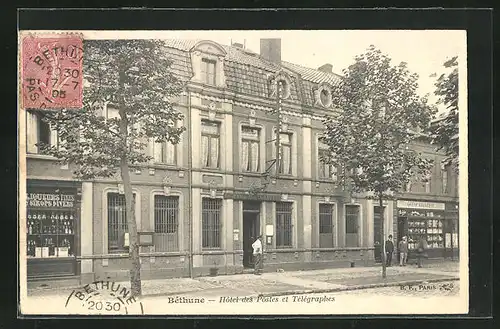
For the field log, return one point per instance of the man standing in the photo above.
(389, 249)
(422, 245)
(257, 255)
(403, 251)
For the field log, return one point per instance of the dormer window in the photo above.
(207, 59)
(323, 95)
(208, 71)
(279, 82)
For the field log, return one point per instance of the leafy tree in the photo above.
(444, 131)
(379, 115)
(134, 77)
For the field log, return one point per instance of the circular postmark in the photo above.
(52, 74)
(104, 298)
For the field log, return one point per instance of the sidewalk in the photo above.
(296, 282)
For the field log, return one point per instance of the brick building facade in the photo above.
(196, 199)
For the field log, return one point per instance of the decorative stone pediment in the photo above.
(209, 47)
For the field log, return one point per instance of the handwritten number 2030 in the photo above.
(109, 306)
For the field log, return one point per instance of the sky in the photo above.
(425, 51)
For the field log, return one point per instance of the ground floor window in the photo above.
(428, 225)
(284, 226)
(326, 230)
(50, 232)
(117, 222)
(211, 223)
(352, 225)
(166, 218)
(452, 239)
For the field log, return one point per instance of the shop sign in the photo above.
(50, 200)
(412, 204)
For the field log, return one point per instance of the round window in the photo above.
(325, 97)
(283, 88)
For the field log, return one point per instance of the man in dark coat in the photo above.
(389, 249)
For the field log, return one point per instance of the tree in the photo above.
(379, 115)
(444, 131)
(134, 77)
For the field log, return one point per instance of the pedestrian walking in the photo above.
(257, 255)
(403, 251)
(389, 249)
(421, 247)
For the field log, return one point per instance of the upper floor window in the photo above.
(165, 152)
(38, 131)
(250, 149)
(428, 178)
(208, 71)
(326, 170)
(210, 142)
(285, 162)
(444, 178)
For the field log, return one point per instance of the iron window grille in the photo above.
(166, 218)
(211, 223)
(325, 218)
(250, 152)
(351, 218)
(210, 141)
(284, 225)
(117, 221)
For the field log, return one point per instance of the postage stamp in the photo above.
(52, 71)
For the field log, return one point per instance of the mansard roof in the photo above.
(248, 73)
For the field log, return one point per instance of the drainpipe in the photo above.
(190, 186)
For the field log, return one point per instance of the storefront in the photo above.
(52, 223)
(423, 220)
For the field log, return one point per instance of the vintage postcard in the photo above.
(243, 172)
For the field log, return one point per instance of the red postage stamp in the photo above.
(52, 74)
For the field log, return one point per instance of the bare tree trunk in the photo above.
(135, 270)
(382, 230)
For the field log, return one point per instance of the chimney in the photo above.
(327, 68)
(237, 45)
(270, 49)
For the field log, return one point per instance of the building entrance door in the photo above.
(251, 230)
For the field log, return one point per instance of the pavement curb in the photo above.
(359, 287)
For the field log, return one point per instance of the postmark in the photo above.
(104, 298)
(52, 74)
